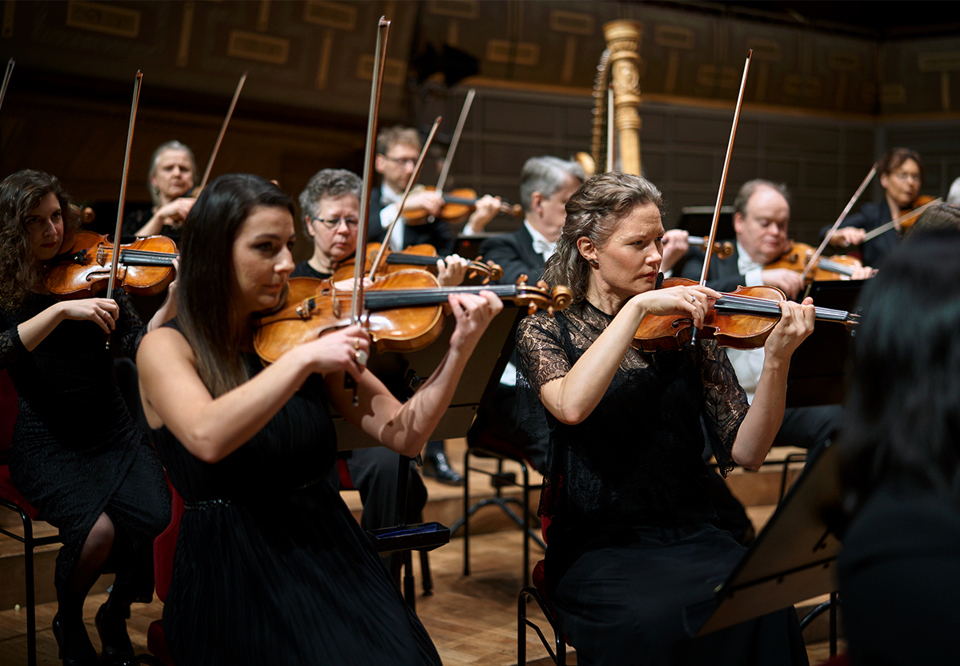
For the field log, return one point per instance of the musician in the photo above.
(935, 218)
(901, 177)
(332, 197)
(631, 544)
(270, 567)
(899, 566)
(77, 454)
(546, 184)
(397, 151)
(170, 181)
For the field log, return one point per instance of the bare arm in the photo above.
(405, 427)
(763, 420)
(211, 429)
(101, 311)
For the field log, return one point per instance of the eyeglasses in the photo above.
(333, 224)
(401, 161)
(904, 176)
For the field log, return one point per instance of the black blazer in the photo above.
(515, 254)
(724, 273)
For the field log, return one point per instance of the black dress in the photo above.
(270, 566)
(632, 540)
(76, 450)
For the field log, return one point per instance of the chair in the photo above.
(538, 593)
(485, 444)
(11, 499)
(403, 559)
(164, 546)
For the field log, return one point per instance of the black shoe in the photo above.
(74, 644)
(437, 467)
(114, 640)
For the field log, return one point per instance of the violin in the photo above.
(403, 311)
(922, 200)
(145, 266)
(741, 320)
(457, 205)
(799, 256)
(417, 256)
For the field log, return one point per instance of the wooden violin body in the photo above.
(415, 256)
(740, 320)
(922, 200)
(146, 266)
(403, 311)
(457, 205)
(837, 267)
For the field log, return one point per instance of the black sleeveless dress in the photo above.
(270, 566)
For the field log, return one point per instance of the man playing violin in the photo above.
(546, 184)
(901, 176)
(397, 151)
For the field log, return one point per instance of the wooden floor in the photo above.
(472, 620)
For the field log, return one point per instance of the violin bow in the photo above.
(6, 80)
(378, 260)
(461, 121)
(356, 302)
(723, 177)
(836, 225)
(223, 130)
(115, 262)
(892, 223)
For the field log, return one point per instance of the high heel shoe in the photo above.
(114, 640)
(75, 648)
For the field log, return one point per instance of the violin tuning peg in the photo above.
(542, 285)
(550, 310)
(522, 279)
(531, 308)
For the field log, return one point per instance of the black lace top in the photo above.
(637, 459)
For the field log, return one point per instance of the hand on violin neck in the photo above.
(427, 200)
(784, 279)
(675, 246)
(487, 208)
(451, 270)
(472, 313)
(168, 310)
(795, 325)
(862, 272)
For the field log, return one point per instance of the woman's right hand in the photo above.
(687, 300)
(343, 350)
(847, 236)
(101, 311)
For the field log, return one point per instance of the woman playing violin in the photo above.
(77, 454)
(631, 541)
(901, 176)
(170, 180)
(249, 448)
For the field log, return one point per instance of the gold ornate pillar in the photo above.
(623, 43)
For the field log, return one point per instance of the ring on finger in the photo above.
(360, 357)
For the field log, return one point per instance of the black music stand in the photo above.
(405, 373)
(818, 365)
(792, 559)
(698, 219)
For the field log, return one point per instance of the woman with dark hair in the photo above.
(270, 566)
(901, 177)
(77, 454)
(631, 543)
(900, 461)
(170, 180)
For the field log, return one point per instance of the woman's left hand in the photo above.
(168, 310)
(796, 323)
(473, 313)
(451, 270)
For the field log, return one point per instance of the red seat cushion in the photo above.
(157, 644)
(164, 546)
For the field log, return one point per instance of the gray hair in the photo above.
(953, 198)
(328, 183)
(595, 211)
(167, 145)
(546, 175)
(750, 187)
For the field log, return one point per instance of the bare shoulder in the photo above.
(161, 345)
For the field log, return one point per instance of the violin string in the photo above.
(751, 305)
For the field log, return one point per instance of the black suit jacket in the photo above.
(515, 254)
(438, 233)
(724, 273)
